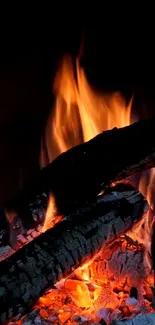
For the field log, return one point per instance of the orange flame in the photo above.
(143, 231)
(146, 186)
(51, 217)
(80, 111)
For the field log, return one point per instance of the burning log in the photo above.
(122, 263)
(37, 266)
(78, 175)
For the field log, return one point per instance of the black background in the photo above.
(113, 60)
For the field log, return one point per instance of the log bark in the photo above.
(79, 174)
(37, 266)
(146, 319)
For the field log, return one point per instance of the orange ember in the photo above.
(101, 289)
(80, 113)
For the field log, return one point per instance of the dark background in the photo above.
(115, 60)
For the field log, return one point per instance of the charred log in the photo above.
(37, 266)
(13, 235)
(122, 263)
(79, 174)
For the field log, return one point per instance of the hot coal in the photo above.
(28, 273)
(77, 301)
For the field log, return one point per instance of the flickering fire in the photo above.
(51, 218)
(80, 113)
(102, 287)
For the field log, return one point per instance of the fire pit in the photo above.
(76, 244)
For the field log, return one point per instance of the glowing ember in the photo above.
(116, 284)
(112, 288)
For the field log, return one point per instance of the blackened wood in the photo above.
(79, 174)
(37, 266)
(13, 235)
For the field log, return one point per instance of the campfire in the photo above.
(76, 245)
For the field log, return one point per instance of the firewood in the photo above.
(78, 175)
(37, 266)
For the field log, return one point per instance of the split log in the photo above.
(79, 174)
(37, 266)
(146, 319)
